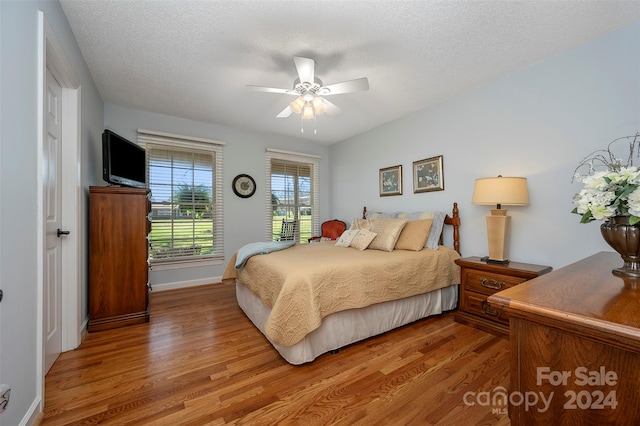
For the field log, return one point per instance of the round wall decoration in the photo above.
(244, 186)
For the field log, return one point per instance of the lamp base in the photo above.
(497, 236)
(497, 262)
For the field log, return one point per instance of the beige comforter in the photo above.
(307, 282)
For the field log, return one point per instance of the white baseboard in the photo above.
(184, 284)
(31, 416)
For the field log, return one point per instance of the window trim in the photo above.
(314, 161)
(174, 141)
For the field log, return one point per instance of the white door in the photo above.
(52, 159)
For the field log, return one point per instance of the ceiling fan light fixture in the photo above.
(307, 112)
(318, 105)
(309, 92)
(297, 105)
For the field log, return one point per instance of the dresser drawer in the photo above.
(488, 283)
(477, 304)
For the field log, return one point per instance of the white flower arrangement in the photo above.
(614, 191)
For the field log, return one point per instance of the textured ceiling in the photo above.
(193, 59)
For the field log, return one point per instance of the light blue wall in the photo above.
(18, 187)
(17, 164)
(244, 152)
(537, 123)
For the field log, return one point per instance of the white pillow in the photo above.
(380, 215)
(358, 223)
(346, 238)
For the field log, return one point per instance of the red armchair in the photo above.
(330, 229)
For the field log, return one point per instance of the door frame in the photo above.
(51, 56)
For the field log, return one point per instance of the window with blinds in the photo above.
(292, 188)
(184, 177)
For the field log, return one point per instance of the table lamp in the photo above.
(499, 191)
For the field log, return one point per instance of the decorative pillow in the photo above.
(436, 225)
(414, 235)
(361, 224)
(346, 238)
(362, 239)
(388, 231)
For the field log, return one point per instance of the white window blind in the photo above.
(185, 178)
(292, 188)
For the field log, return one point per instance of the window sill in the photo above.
(184, 263)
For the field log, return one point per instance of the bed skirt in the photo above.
(346, 327)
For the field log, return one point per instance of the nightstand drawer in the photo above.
(477, 304)
(489, 283)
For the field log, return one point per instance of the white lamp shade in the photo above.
(508, 191)
(307, 111)
(296, 106)
(318, 105)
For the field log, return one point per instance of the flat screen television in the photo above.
(123, 162)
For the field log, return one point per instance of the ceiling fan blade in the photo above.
(330, 108)
(306, 69)
(346, 87)
(285, 113)
(269, 89)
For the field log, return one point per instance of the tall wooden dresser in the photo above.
(575, 343)
(118, 251)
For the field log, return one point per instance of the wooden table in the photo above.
(575, 341)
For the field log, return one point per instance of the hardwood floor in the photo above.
(200, 361)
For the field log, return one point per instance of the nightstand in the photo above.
(479, 280)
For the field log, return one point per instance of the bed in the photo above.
(314, 298)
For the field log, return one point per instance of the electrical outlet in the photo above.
(5, 392)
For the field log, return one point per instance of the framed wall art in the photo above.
(428, 175)
(391, 181)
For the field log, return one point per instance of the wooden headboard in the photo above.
(453, 220)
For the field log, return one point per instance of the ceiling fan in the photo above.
(310, 92)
